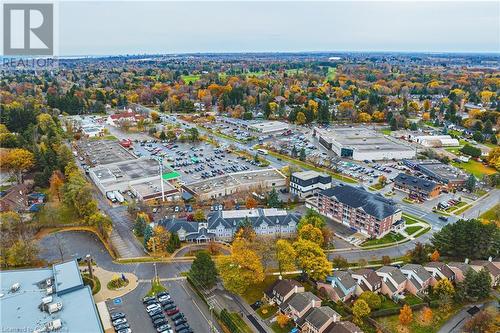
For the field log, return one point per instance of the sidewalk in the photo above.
(104, 277)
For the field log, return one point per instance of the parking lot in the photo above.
(180, 294)
(195, 161)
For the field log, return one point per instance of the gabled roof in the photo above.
(343, 327)
(393, 272)
(300, 301)
(492, 267)
(283, 287)
(463, 267)
(442, 267)
(369, 275)
(356, 197)
(419, 270)
(320, 316)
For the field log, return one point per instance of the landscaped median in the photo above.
(308, 165)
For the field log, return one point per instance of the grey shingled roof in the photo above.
(419, 270)
(442, 267)
(356, 197)
(415, 182)
(393, 272)
(300, 301)
(320, 316)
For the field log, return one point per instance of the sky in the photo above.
(137, 27)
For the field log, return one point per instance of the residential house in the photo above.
(367, 280)
(393, 281)
(282, 290)
(418, 278)
(319, 319)
(459, 269)
(368, 213)
(492, 267)
(439, 271)
(15, 199)
(298, 305)
(343, 327)
(339, 286)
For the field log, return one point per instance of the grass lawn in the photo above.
(476, 168)
(94, 284)
(440, 316)
(332, 72)
(408, 201)
(276, 328)
(421, 232)
(255, 292)
(493, 214)
(413, 300)
(377, 186)
(412, 230)
(386, 131)
(387, 303)
(156, 287)
(461, 210)
(56, 213)
(267, 311)
(387, 239)
(117, 284)
(190, 78)
(240, 323)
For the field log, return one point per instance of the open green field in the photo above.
(386, 131)
(492, 214)
(411, 230)
(256, 292)
(190, 78)
(476, 168)
(332, 72)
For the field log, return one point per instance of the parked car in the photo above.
(119, 321)
(162, 293)
(159, 322)
(163, 328)
(180, 321)
(147, 299)
(122, 326)
(117, 315)
(443, 218)
(125, 330)
(155, 312)
(152, 307)
(178, 316)
(181, 327)
(172, 311)
(185, 330)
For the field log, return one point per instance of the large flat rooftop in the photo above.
(127, 171)
(20, 310)
(361, 139)
(101, 152)
(442, 170)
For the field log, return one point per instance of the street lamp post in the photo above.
(160, 161)
(89, 265)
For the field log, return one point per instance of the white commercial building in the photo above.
(361, 143)
(435, 140)
(306, 183)
(270, 126)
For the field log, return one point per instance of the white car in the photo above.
(164, 298)
(152, 307)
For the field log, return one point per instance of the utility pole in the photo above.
(160, 161)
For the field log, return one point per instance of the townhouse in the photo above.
(417, 188)
(339, 287)
(393, 281)
(319, 319)
(459, 269)
(368, 213)
(439, 271)
(281, 290)
(367, 280)
(492, 267)
(418, 278)
(298, 305)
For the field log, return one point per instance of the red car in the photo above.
(173, 311)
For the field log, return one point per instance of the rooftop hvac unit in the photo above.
(15, 287)
(48, 282)
(54, 307)
(49, 290)
(47, 300)
(54, 325)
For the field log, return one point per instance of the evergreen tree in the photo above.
(173, 243)
(148, 233)
(302, 156)
(471, 183)
(273, 199)
(477, 285)
(203, 271)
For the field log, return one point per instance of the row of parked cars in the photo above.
(161, 306)
(119, 321)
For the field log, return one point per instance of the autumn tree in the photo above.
(339, 262)
(282, 320)
(373, 300)
(435, 255)
(241, 269)
(18, 161)
(405, 315)
(360, 310)
(311, 233)
(481, 322)
(251, 203)
(426, 316)
(285, 256)
(56, 183)
(311, 259)
(199, 215)
(313, 218)
(22, 253)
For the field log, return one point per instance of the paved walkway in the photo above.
(105, 276)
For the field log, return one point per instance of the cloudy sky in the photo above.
(132, 27)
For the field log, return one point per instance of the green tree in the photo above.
(302, 156)
(141, 221)
(419, 254)
(273, 199)
(312, 217)
(471, 183)
(22, 253)
(203, 271)
(148, 233)
(199, 215)
(467, 239)
(339, 262)
(174, 243)
(311, 233)
(477, 285)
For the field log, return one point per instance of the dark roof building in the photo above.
(368, 213)
(417, 188)
(222, 225)
(343, 327)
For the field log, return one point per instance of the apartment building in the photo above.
(417, 188)
(306, 183)
(368, 213)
